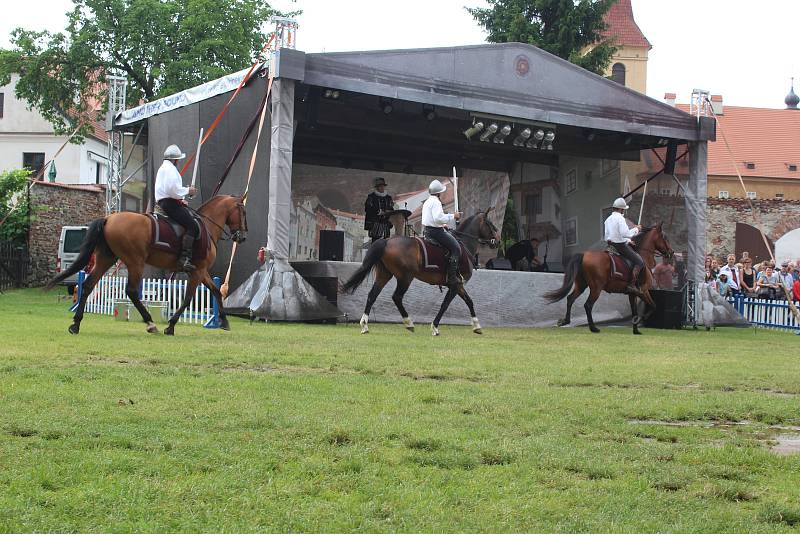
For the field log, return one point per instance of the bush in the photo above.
(14, 206)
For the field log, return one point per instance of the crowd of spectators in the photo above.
(762, 280)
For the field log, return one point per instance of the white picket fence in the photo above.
(766, 313)
(202, 309)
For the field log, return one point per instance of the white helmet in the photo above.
(436, 187)
(173, 152)
(620, 204)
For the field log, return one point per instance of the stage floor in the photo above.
(502, 298)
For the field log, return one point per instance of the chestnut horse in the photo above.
(402, 258)
(127, 236)
(593, 269)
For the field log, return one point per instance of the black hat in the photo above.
(379, 181)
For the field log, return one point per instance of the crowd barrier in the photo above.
(765, 313)
(202, 310)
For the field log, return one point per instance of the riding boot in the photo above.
(185, 258)
(634, 286)
(453, 277)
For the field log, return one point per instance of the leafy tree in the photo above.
(510, 232)
(162, 46)
(14, 206)
(569, 29)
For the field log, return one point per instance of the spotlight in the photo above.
(502, 134)
(628, 140)
(663, 142)
(332, 94)
(386, 105)
(589, 135)
(522, 137)
(534, 141)
(474, 130)
(428, 112)
(490, 130)
(549, 137)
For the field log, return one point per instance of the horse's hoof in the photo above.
(636, 332)
(562, 322)
(169, 331)
(594, 330)
(365, 329)
(74, 329)
(434, 330)
(408, 323)
(476, 326)
(152, 329)
(364, 322)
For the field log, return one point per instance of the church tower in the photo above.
(629, 64)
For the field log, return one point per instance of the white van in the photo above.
(69, 246)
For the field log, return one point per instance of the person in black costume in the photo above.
(377, 204)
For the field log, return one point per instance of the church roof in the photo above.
(622, 28)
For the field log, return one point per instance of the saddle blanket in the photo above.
(620, 268)
(166, 236)
(433, 257)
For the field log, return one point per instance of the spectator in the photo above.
(713, 271)
(795, 270)
(723, 285)
(768, 284)
(662, 273)
(786, 279)
(796, 290)
(745, 256)
(732, 273)
(748, 284)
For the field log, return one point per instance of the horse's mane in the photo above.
(638, 238)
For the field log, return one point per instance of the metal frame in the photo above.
(117, 93)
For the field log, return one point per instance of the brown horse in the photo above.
(127, 236)
(402, 258)
(593, 269)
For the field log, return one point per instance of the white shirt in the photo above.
(734, 283)
(169, 183)
(434, 215)
(617, 230)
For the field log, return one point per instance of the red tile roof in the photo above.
(767, 138)
(621, 28)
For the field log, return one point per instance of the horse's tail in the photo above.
(374, 255)
(94, 239)
(570, 273)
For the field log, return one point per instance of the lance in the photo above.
(455, 190)
(197, 157)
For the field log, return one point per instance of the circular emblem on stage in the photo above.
(522, 66)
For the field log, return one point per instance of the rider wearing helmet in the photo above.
(170, 193)
(378, 203)
(618, 236)
(434, 221)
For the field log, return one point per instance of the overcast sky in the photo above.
(747, 51)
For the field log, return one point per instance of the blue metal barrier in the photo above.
(765, 313)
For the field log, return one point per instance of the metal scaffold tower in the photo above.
(285, 33)
(117, 91)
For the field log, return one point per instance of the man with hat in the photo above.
(618, 235)
(378, 203)
(170, 193)
(434, 224)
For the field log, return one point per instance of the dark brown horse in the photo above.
(592, 269)
(402, 258)
(127, 236)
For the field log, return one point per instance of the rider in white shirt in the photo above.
(434, 223)
(170, 193)
(618, 235)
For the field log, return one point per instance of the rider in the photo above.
(434, 221)
(378, 202)
(618, 236)
(170, 195)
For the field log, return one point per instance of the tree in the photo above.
(510, 232)
(14, 206)
(569, 29)
(162, 46)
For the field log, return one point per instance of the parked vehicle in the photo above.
(69, 245)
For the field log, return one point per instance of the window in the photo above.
(572, 181)
(792, 166)
(779, 196)
(752, 195)
(750, 165)
(533, 204)
(665, 191)
(571, 231)
(2, 103)
(618, 73)
(723, 194)
(34, 161)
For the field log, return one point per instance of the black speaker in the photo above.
(669, 309)
(499, 264)
(331, 245)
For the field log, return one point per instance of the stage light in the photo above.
(628, 140)
(490, 130)
(549, 137)
(474, 130)
(589, 135)
(332, 94)
(523, 136)
(428, 112)
(537, 138)
(386, 105)
(502, 134)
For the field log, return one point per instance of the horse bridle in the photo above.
(236, 235)
(481, 241)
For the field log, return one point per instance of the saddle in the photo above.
(166, 235)
(621, 267)
(435, 256)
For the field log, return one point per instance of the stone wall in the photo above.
(58, 205)
(776, 218)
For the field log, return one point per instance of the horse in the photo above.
(593, 269)
(404, 259)
(127, 236)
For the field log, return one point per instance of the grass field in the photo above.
(317, 428)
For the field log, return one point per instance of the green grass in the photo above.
(317, 428)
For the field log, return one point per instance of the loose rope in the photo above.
(753, 211)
